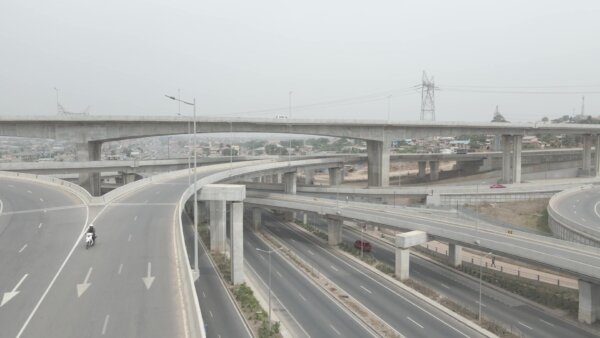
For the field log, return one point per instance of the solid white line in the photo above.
(419, 325)
(120, 268)
(446, 286)
(310, 252)
(333, 268)
(23, 248)
(334, 329)
(1, 206)
(59, 269)
(40, 226)
(547, 323)
(129, 238)
(105, 324)
(529, 327)
(364, 288)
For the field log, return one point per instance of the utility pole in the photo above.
(582, 105)
(427, 98)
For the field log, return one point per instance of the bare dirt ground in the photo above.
(531, 214)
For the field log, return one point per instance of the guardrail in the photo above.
(569, 229)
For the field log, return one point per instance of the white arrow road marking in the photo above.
(83, 286)
(9, 295)
(148, 280)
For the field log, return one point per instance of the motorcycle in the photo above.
(89, 240)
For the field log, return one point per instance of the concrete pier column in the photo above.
(203, 211)
(378, 169)
(256, 218)
(516, 158)
(422, 169)
(309, 176)
(127, 178)
(434, 170)
(335, 176)
(334, 231)
(497, 143)
(455, 254)
(237, 243)
(403, 242)
(402, 264)
(506, 171)
(217, 225)
(597, 162)
(586, 164)
(589, 302)
(289, 183)
(89, 151)
(276, 178)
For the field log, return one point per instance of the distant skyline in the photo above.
(340, 59)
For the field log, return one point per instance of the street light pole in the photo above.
(193, 104)
(480, 273)
(268, 252)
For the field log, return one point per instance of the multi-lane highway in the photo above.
(582, 208)
(501, 307)
(39, 226)
(404, 312)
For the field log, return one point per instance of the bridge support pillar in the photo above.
(589, 302)
(422, 168)
(516, 158)
(455, 254)
(309, 176)
(378, 169)
(334, 231)
(597, 158)
(256, 218)
(276, 178)
(335, 176)
(403, 243)
(434, 170)
(237, 242)
(586, 160)
(127, 178)
(506, 172)
(289, 183)
(90, 151)
(218, 218)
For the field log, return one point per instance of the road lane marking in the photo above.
(480, 303)
(334, 329)
(105, 324)
(41, 200)
(310, 252)
(203, 294)
(547, 323)
(11, 186)
(301, 296)
(85, 285)
(446, 286)
(261, 256)
(29, 192)
(333, 268)
(211, 315)
(1, 206)
(40, 226)
(9, 295)
(135, 218)
(120, 268)
(278, 274)
(129, 238)
(23, 248)
(529, 327)
(364, 288)
(412, 320)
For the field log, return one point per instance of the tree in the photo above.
(275, 149)
(227, 152)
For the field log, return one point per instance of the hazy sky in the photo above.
(242, 58)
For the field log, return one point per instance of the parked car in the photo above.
(497, 185)
(364, 245)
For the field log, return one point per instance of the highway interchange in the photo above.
(129, 284)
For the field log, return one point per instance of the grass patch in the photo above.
(314, 230)
(254, 312)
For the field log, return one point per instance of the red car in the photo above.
(364, 245)
(497, 185)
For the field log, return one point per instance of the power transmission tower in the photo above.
(427, 98)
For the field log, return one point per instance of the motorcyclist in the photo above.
(92, 230)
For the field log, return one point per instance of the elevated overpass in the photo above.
(89, 132)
